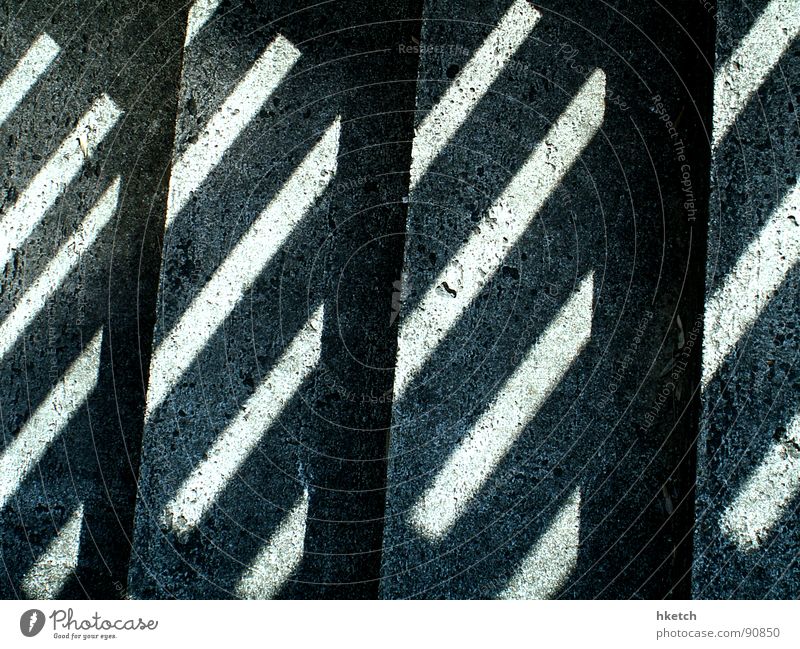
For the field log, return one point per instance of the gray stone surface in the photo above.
(434, 302)
(747, 541)
(537, 418)
(81, 199)
(265, 439)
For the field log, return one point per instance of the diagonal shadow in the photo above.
(318, 263)
(740, 435)
(755, 142)
(239, 355)
(90, 467)
(751, 357)
(619, 193)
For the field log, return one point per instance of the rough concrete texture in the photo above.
(423, 286)
(265, 436)
(747, 540)
(87, 103)
(539, 396)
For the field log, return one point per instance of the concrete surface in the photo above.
(273, 343)
(426, 299)
(536, 429)
(747, 540)
(83, 190)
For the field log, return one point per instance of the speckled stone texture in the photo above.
(310, 478)
(66, 529)
(415, 299)
(537, 425)
(747, 540)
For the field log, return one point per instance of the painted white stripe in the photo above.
(48, 576)
(47, 283)
(49, 420)
(278, 559)
(752, 61)
(546, 568)
(516, 404)
(22, 78)
(199, 14)
(176, 353)
(242, 105)
(471, 84)
(208, 479)
(62, 167)
(473, 266)
(747, 289)
(765, 495)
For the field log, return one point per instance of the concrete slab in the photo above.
(264, 453)
(534, 450)
(429, 300)
(88, 103)
(747, 540)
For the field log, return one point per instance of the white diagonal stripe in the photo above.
(241, 106)
(474, 264)
(516, 404)
(22, 78)
(199, 14)
(471, 84)
(175, 354)
(49, 420)
(763, 498)
(49, 574)
(747, 289)
(204, 485)
(47, 283)
(548, 565)
(62, 167)
(278, 558)
(752, 61)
